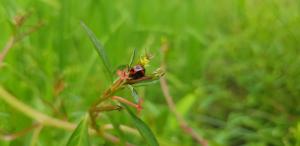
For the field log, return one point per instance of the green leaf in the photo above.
(134, 93)
(80, 135)
(144, 130)
(115, 120)
(146, 83)
(132, 57)
(100, 49)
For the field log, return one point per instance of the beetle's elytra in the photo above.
(137, 72)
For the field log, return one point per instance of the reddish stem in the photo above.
(123, 100)
(165, 88)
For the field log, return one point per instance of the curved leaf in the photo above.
(134, 93)
(144, 130)
(100, 49)
(146, 83)
(80, 135)
(132, 57)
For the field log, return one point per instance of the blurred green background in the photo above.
(232, 67)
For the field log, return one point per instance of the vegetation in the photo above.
(231, 72)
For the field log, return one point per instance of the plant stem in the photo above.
(15, 38)
(35, 135)
(50, 121)
(109, 92)
(7, 47)
(38, 116)
(169, 99)
(122, 100)
(13, 136)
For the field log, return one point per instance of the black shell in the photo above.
(137, 72)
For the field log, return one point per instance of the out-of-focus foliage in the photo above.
(233, 66)
(80, 135)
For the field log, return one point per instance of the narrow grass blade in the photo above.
(134, 93)
(132, 57)
(99, 48)
(144, 130)
(80, 135)
(115, 122)
(146, 83)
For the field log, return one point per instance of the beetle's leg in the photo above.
(94, 111)
(125, 101)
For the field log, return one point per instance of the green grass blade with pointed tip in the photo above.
(80, 135)
(142, 127)
(132, 57)
(146, 83)
(134, 93)
(100, 49)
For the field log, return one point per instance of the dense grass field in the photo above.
(232, 67)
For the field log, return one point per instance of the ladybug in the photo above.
(137, 72)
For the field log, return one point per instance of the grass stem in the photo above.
(46, 120)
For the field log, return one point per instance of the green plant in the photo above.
(232, 71)
(123, 80)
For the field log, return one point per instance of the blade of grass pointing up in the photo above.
(100, 49)
(142, 127)
(80, 135)
(132, 57)
(146, 83)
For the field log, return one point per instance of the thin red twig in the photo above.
(13, 136)
(169, 99)
(7, 47)
(18, 37)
